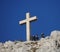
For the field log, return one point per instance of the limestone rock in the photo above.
(48, 44)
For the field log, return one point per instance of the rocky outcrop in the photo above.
(48, 44)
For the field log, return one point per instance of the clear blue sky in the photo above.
(12, 11)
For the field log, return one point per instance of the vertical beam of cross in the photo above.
(27, 21)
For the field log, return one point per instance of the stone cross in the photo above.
(27, 21)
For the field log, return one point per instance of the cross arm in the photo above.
(22, 22)
(33, 18)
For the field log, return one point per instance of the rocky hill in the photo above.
(48, 44)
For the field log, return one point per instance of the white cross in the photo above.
(27, 21)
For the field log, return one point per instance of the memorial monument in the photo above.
(27, 21)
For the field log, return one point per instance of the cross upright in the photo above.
(27, 21)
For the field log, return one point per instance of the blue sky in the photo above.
(12, 11)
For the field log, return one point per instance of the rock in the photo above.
(48, 44)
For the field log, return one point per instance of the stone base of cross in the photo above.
(27, 21)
